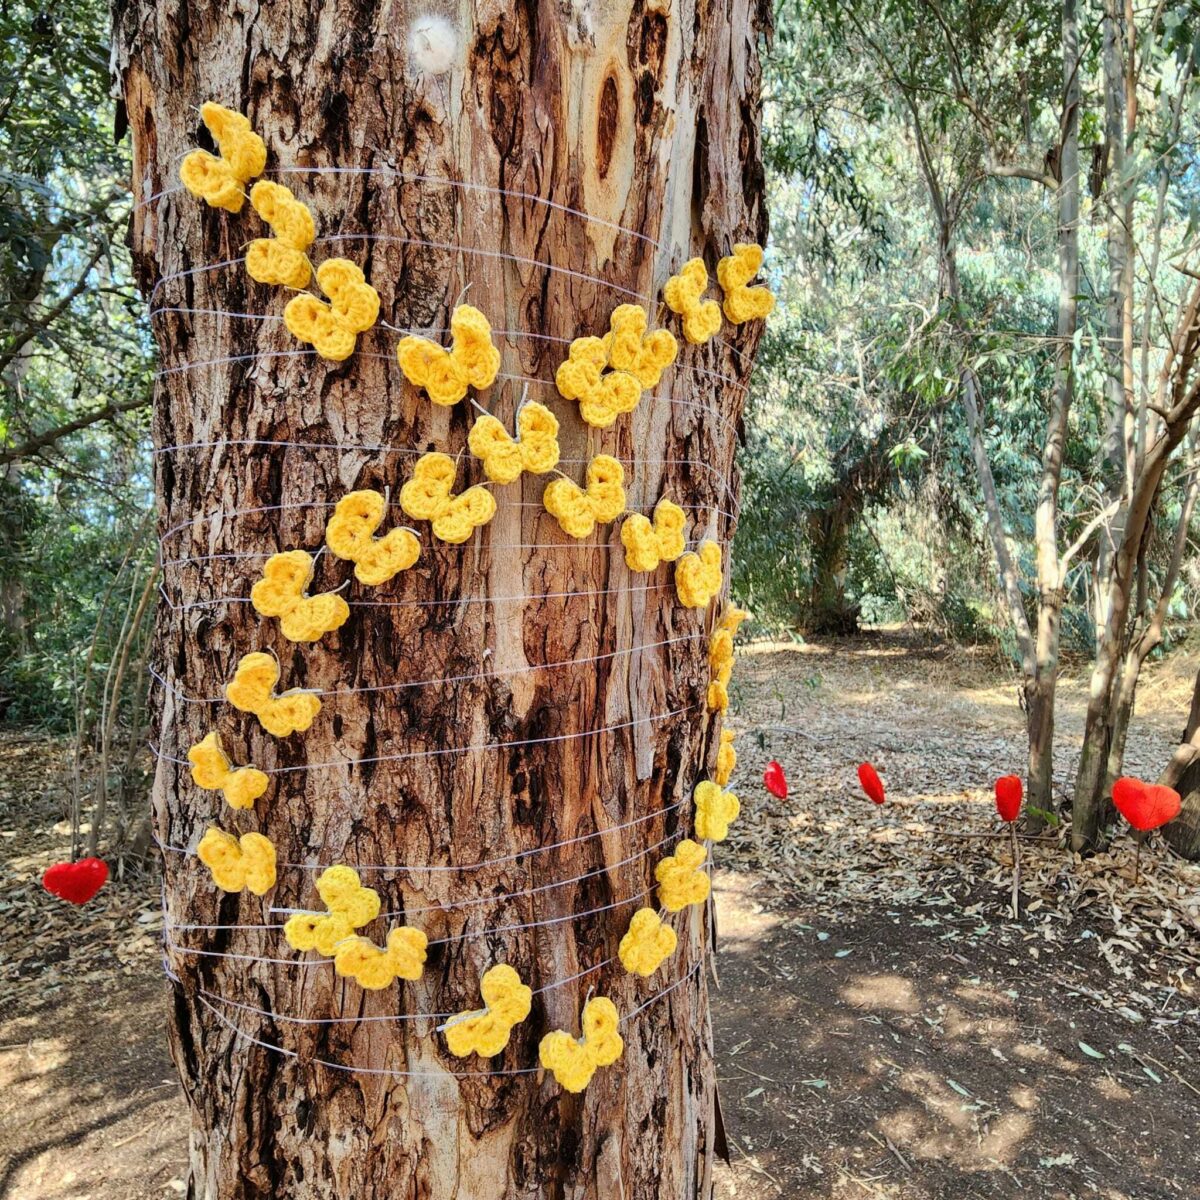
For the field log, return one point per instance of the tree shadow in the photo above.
(890, 1055)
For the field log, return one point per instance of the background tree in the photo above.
(74, 370)
(649, 122)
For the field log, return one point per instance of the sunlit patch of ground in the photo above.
(884, 1028)
(937, 1049)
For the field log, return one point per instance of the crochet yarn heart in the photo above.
(1145, 806)
(872, 785)
(775, 780)
(78, 881)
(1008, 797)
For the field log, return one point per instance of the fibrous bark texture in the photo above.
(461, 701)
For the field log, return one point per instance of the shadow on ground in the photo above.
(882, 1057)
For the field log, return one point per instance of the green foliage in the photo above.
(75, 357)
(861, 492)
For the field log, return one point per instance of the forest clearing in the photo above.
(883, 1029)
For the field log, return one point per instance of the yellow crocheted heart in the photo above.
(715, 809)
(427, 497)
(280, 593)
(647, 944)
(720, 666)
(471, 361)
(680, 880)
(630, 348)
(573, 1063)
(732, 618)
(220, 182)
(602, 395)
(350, 905)
(211, 770)
(486, 1031)
(726, 758)
(577, 511)
(332, 329)
(358, 958)
(683, 292)
(698, 575)
(281, 259)
(648, 544)
(350, 535)
(252, 690)
(743, 303)
(534, 450)
(237, 863)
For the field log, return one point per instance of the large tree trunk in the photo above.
(645, 116)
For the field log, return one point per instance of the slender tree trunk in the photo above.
(1117, 249)
(1040, 690)
(644, 116)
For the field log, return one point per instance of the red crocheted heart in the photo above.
(77, 882)
(871, 783)
(1145, 805)
(775, 780)
(1008, 797)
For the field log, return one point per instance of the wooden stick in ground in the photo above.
(1137, 860)
(1016, 849)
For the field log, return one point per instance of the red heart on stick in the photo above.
(1008, 797)
(872, 785)
(1145, 805)
(775, 780)
(77, 882)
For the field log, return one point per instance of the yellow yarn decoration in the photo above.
(486, 1031)
(698, 575)
(472, 360)
(732, 618)
(647, 944)
(720, 666)
(683, 292)
(535, 449)
(646, 544)
(726, 758)
(350, 535)
(426, 497)
(743, 303)
(237, 863)
(333, 328)
(280, 593)
(715, 810)
(220, 182)
(573, 1063)
(602, 396)
(360, 959)
(577, 511)
(629, 348)
(252, 690)
(211, 770)
(281, 259)
(680, 880)
(350, 905)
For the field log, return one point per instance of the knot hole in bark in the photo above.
(606, 124)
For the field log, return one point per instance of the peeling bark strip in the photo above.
(644, 116)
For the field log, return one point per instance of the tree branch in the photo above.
(36, 444)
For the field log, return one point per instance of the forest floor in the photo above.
(884, 1027)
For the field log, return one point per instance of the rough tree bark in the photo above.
(1183, 774)
(644, 115)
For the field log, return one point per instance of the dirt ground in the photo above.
(884, 1027)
